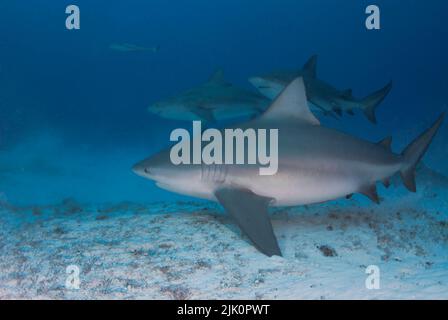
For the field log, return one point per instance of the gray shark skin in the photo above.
(211, 101)
(315, 164)
(322, 96)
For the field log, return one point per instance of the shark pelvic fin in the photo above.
(309, 68)
(386, 182)
(251, 214)
(386, 143)
(370, 192)
(291, 104)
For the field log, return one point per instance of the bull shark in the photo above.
(315, 164)
(322, 96)
(213, 100)
(128, 47)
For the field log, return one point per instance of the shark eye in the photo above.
(147, 170)
(264, 87)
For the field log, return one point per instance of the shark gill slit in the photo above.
(214, 172)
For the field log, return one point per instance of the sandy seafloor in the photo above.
(192, 250)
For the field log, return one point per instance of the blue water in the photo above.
(73, 114)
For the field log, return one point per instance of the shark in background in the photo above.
(211, 101)
(322, 96)
(315, 164)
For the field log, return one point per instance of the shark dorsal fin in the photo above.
(309, 68)
(291, 104)
(217, 77)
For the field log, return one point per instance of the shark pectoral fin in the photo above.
(251, 214)
(204, 114)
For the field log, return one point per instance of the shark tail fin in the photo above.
(415, 151)
(370, 102)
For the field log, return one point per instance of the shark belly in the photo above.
(313, 184)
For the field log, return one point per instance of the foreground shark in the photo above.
(128, 47)
(321, 95)
(315, 164)
(213, 100)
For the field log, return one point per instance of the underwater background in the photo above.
(74, 119)
(73, 113)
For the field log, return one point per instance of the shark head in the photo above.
(270, 85)
(267, 86)
(177, 178)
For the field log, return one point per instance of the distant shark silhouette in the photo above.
(128, 47)
(211, 101)
(321, 95)
(315, 164)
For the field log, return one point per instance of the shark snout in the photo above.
(141, 169)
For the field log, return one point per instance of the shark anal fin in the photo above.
(386, 143)
(370, 192)
(251, 214)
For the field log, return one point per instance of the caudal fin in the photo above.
(414, 153)
(370, 102)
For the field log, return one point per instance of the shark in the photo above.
(214, 100)
(322, 96)
(315, 164)
(128, 47)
